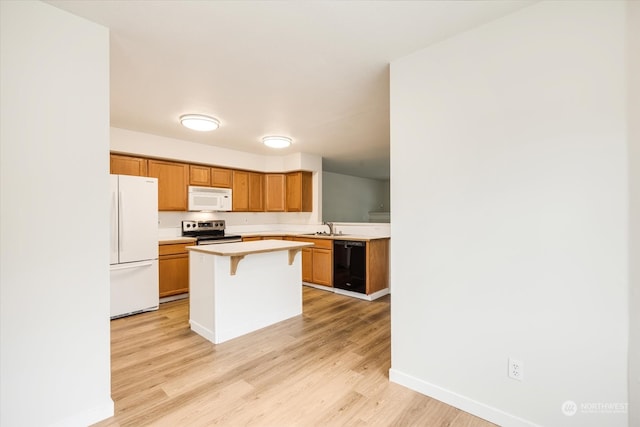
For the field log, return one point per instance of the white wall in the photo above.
(633, 75)
(514, 137)
(54, 287)
(143, 144)
(348, 198)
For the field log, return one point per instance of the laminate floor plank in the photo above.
(327, 367)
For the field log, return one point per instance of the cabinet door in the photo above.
(299, 192)
(322, 266)
(256, 192)
(307, 265)
(240, 191)
(126, 165)
(221, 177)
(274, 184)
(174, 274)
(173, 179)
(199, 175)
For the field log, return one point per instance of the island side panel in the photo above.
(201, 294)
(265, 290)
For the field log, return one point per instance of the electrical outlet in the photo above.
(516, 369)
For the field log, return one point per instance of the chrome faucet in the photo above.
(330, 225)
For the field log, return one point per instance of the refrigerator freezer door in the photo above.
(138, 218)
(134, 287)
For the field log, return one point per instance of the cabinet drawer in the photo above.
(174, 248)
(319, 243)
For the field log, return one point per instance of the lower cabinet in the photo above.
(377, 265)
(307, 265)
(317, 262)
(173, 269)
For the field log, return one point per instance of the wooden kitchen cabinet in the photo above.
(173, 269)
(256, 192)
(240, 191)
(323, 266)
(251, 238)
(377, 265)
(317, 262)
(173, 180)
(248, 191)
(307, 265)
(275, 191)
(299, 188)
(199, 175)
(128, 165)
(221, 177)
(206, 176)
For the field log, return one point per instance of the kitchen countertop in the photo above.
(178, 239)
(313, 235)
(174, 240)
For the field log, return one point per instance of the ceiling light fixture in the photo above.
(199, 122)
(276, 141)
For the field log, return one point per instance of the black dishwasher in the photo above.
(350, 266)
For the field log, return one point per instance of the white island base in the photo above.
(237, 288)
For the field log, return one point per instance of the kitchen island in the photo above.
(237, 288)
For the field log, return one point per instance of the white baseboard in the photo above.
(202, 331)
(321, 287)
(479, 409)
(88, 417)
(366, 297)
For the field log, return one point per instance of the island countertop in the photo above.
(247, 248)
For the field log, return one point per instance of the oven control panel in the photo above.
(210, 225)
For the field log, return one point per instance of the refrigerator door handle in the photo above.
(114, 222)
(120, 222)
(131, 265)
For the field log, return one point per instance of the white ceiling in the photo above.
(317, 71)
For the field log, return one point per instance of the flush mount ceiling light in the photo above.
(276, 141)
(199, 122)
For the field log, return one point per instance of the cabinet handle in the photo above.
(131, 265)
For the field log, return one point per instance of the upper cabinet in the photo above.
(221, 177)
(207, 176)
(274, 192)
(240, 189)
(252, 191)
(248, 191)
(299, 192)
(199, 175)
(256, 192)
(127, 165)
(173, 180)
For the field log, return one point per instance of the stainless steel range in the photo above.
(208, 232)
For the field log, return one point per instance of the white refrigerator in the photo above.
(134, 245)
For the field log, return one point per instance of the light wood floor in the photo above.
(328, 367)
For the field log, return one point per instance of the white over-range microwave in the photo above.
(209, 199)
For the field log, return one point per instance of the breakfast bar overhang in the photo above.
(237, 288)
